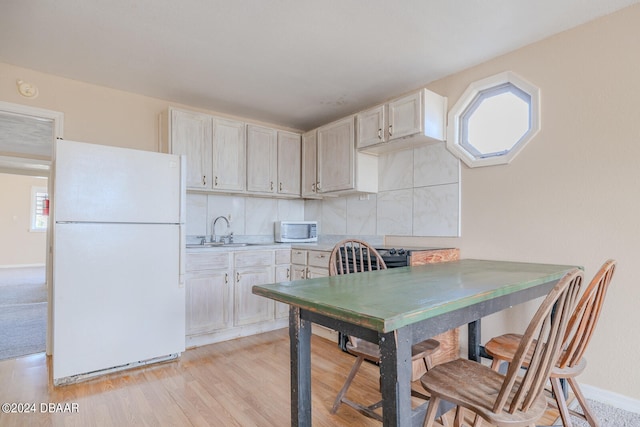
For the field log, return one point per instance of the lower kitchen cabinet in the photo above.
(309, 264)
(283, 274)
(207, 292)
(220, 302)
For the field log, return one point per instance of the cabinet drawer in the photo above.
(283, 256)
(319, 259)
(207, 261)
(253, 258)
(298, 256)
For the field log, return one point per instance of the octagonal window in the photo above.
(493, 120)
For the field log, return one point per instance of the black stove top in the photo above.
(394, 257)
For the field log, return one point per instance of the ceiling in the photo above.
(294, 63)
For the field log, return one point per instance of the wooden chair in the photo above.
(509, 400)
(571, 362)
(355, 256)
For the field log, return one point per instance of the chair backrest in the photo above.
(585, 317)
(354, 256)
(542, 342)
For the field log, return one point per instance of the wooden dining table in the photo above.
(396, 308)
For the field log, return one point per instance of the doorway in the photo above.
(27, 135)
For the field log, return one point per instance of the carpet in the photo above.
(23, 312)
(607, 416)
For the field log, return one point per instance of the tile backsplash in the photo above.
(419, 196)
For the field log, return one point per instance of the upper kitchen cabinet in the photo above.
(189, 133)
(262, 157)
(229, 155)
(273, 161)
(340, 169)
(402, 123)
(309, 165)
(289, 158)
(215, 149)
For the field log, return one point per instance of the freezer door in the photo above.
(117, 297)
(97, 183)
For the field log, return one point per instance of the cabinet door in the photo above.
(336, 156)
(313, 272)
(371, 126)
(309, 164)
(289, 163)
(283, 274)
(250, 308)
(191, 136)
(208, 303)
(262, 146)
(298, 272)
(405, 116)
(229, 155)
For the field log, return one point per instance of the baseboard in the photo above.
(22, 266)
(610, 398)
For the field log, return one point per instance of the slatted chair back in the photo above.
(585, 317)
(542, 340)
(354, 256)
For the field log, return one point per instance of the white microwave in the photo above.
(296, 231)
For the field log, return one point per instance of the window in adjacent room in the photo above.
(39, 208)
(493, 120)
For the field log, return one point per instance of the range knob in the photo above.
(392, 251)
(401, 251)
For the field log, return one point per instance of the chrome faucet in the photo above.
(213, 230)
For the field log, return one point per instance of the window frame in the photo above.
(468, 103)
(36, 211)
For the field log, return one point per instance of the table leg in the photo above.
(395, 373)
(474, 340)
(300, 340)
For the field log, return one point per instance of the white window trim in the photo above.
(455, 114)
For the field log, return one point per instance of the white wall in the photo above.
(20, 246)
(571, 196)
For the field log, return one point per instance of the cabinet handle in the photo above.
(226, 278)
(215, 181)
(318, 186)
(271, 185)
(204, 180)
(288, 273)
(237, 277)
(390, 130)
(320, 256)
(380, 133)
(313, 187)
(280, 189)
(307, 274)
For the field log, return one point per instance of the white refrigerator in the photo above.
(118, 297)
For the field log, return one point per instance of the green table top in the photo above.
(389, 299)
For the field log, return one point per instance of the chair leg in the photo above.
(347, 383)
(428, 363)
(477, 422)
(591, 419)
(457, 422)
(558, 394)
(432, 409)
(495, 364)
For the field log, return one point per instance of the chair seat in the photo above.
(371, 352)
(475, 386)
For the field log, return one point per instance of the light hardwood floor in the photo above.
(243, 382)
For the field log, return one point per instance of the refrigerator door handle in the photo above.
(183, 214)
